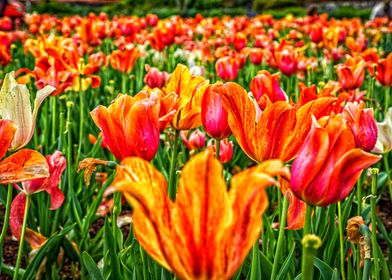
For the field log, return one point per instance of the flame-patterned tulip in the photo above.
(227, 68)
(208, 231)
(328, 163)
(155, 78)
(362, 124)
(213, 115)
(130, 125)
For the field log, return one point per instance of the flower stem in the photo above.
(22, 236)
(366, 247)
(53, 101)
(388, 92)
(308, 217)
(341, 241)
(7, 215)
(374, 172)
(172, 171)
(81, 122)
(124, 83)
(282, 223)
(217, 148)
(359, 197)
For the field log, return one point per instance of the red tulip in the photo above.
(352, 73)
(384, 71)
(316, 33)
(196, 139)
(256, 56)
(130, 126)
(213, 115)
(225, 150)
(362, 124)
(287, 60)
(328, 163)
(239, 41)
(227, 68)
(155, 78)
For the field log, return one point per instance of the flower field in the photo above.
(195, 148)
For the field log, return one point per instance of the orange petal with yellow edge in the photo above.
(7, 132)
(22, 166)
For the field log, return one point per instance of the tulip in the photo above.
(256, 56)
(278, 131)
(189, 91)
(265, 84)
(213, 115)
(130, 126)
(384, 71)
(225, 150)
(15, 106)
(316, 33)
(195, 141)
(328, 163)
(124, 61)
(362, 124)
(287, 60)
(227, 68)
(239, 41)
(57, 164)
(21, 166)
(352, 73)
(154, 78)
(208, 231)
(384, 140)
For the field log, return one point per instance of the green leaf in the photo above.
(325, 270)
(51, 243)
(111, 261)
(266, 266)
(286, 265)
(91, 267)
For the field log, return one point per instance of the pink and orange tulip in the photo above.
(352, 73)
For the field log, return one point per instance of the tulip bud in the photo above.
(227, 68)
(196, 139)
(225, 150)
(213, 115)
(154, 78)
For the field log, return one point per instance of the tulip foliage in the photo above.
(195, 148)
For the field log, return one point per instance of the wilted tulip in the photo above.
(15, 106)
(352, 73)
(213, 115)
(207, 232)
(130, 126)
(328, 163)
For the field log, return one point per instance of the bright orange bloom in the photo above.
(130, 126)
(352, 73)
(208, 231)
(328, 163)
(125, 60)
(275, 133)
(189, 90)
(20, 166)
(384, 71)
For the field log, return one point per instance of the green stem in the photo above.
(255, 266)
(374, 172)
(69, 144)
(282, 223)
(53, 101)
(341, 241)
(388, 92)
(359, 197)
(22, 236)
(7, 215)
(124, 83)
(172, 171)
(308, 220)
(386, 164)
(217, 148)
(81, 121)
(366, 247)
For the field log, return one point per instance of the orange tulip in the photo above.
(384, 71)
(352, 73)
(130, 126)
(124, 61)
(189, 90)
(328, 164)
(20, 166)
(275, 133)
(208, 231)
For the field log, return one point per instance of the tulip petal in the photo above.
(17, 211)
(7, 132)
(22, 166)
(201, 207)
(145, 189)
